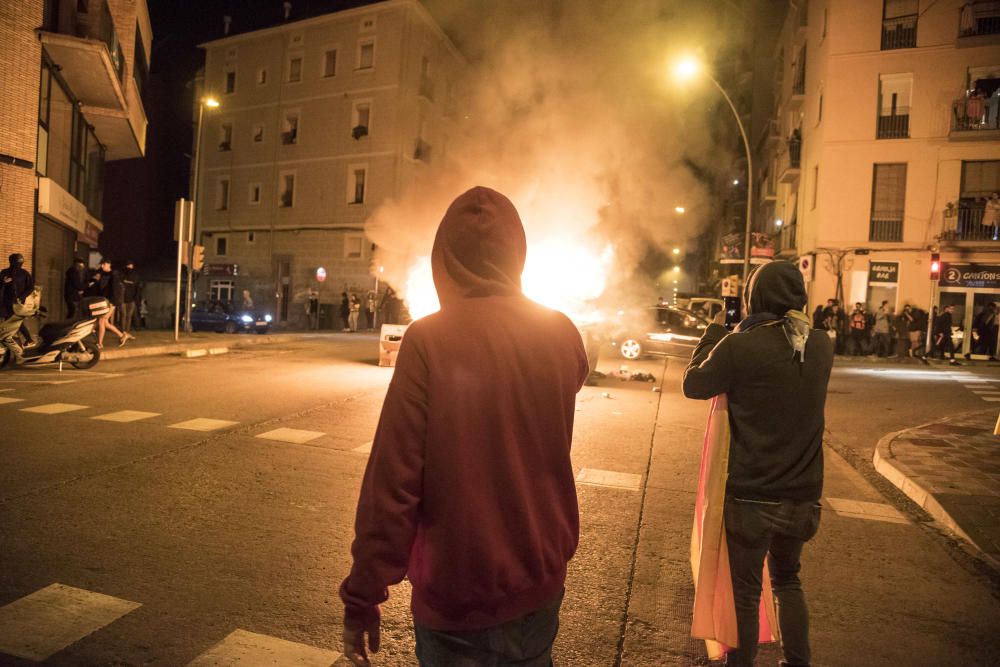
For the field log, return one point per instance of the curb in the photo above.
(883, 462)
(203, 347)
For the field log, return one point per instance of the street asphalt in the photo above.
(165, 510)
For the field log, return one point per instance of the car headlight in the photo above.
(246, 319)
(267, 318)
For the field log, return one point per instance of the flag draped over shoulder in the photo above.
(714, 618)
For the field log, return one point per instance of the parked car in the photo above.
(660, 330)
(704, 306)
(225, 318)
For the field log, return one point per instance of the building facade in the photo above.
(72, 73)
(884, 148)
(319, 122)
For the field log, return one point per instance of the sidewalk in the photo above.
(153, 343)
(951, 468)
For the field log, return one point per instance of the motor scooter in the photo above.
(68, 341)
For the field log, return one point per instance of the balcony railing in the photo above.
(899, 32)
(886, 227)
(971, 113)
(972, 224)
(979, 18)
(785, 239)
(794, 153)
(895, 125)
(799, 83)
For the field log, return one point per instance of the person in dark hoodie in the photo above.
(16, 283)
(469, 489)
(74, 287)
(774, 371)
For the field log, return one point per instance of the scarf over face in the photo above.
(776, 293)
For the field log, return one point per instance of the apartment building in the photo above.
(319, 122)
(885, 148)
(72, 74)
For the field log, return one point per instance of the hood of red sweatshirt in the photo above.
(479, 249)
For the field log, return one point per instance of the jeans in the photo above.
(777, 530)
(525, 641)
(128, 314)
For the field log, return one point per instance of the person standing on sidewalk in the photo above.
(774, 371)
(74, 287)
(882, 330)
(942, 335)
(859, 330)
(903, 324)
(469, 490)
(354, 314)
(345, 311)
(132, 295)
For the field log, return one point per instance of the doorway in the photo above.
(968, 303)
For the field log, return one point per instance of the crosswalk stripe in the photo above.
(241, 647)
(126, 416)
(203, 424)
(364, 449)
(293, 435)
(991, 399)
(54, 408)
(609, 478)
(47, 621)
(7, 399)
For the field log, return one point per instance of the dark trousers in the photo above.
(777, 531)
(883, 344)
(525, 642)
(127, 316)
(946, 346)
(859, 340)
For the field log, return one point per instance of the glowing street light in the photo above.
(211, 103)
(687, 68)
(677, 251)
(679, 209)
(736, 181)
(677, 269)
(778, 223)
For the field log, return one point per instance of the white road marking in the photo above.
(859, 509)
(202, 424)
(126, 416)
(47, 621)
(55, 408)
(6, 381)
(6, 399)
(609, 478)
(293, 435)
(991, 399)
(6, 389)
(249, 648)
(364, 449)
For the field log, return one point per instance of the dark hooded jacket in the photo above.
(469, 489)
(776, 400)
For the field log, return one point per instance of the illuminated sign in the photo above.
(970, 275)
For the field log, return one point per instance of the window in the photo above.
(330, 63)
(251, 238)
(294, 69)
(980, 181)
(366, 54)
(357, 175)
(367, 24)
(899, 24)
(815, 187)
(426, 84)
(221, 245)
(222, 194)
(819, 109)
(254, 194)
(226, 137)
(258, 133)
(286, 189)
(894, 106)
(888, 199)
(261, 76)
(220, 290)
(290, 128)
(826, 20)
(230, 83)
(353, 246)
(361, 116)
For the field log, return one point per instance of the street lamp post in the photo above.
(686, 69)
(211, 103)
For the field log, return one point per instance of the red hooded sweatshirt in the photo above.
(469, 489)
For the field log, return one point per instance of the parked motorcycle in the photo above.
(58, 342)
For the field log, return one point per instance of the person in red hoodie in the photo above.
(469, 490)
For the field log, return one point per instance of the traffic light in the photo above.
(935, 266)
(197, 257)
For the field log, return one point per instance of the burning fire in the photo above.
(556, 274)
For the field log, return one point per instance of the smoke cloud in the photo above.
(567, 108)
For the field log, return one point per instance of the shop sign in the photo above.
(61, 206)
(970, 275)
(883, 273)
(222, 270)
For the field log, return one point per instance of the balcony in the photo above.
(84, 45)
(895, 125)
(789, 161)
(785, 240)
(886, 226)
(899, 32)
(975, 118)
(972, 223)
(979, 23)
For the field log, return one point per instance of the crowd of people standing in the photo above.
(356, 316)
(885, 333)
